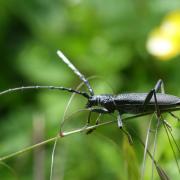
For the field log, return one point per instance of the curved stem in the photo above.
(64, 134)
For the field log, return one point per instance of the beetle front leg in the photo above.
(100, 111)
(89, 118)
(88, 122)
(96, 110)
(97, 122)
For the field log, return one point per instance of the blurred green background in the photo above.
(102, 38)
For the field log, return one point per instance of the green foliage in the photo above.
(103, 38)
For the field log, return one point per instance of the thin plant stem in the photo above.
(145, 148)
(52, 156)
(162, 174)
(64, 134)
(174, 153)
(11, 170)
(27, 149)
(154, 146)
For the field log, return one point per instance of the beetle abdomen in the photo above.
(139, 98)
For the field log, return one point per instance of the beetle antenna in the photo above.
(46, 87)
(76, 71)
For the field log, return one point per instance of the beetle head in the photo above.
(93, 101)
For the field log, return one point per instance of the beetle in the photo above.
(127, 103)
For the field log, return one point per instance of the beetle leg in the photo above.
(159, 117)
(148, 98)
(97, 122)
(158, 87)
(89, 118)
(119, 120)
(120, 125)
(128, 136)
(156, 105)
(96, 110)
(100, 110)
(88, 122)
(174, 116)
(167, 125)
(98, 119)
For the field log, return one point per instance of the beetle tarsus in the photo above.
(119, 120)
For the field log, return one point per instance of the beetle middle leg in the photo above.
(120, 125)
(106, 111)
(97, 122)
(96, 110)
(119, 120)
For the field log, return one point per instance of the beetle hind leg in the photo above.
(158, 87)
(174, 116)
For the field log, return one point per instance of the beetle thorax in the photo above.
(100, 100)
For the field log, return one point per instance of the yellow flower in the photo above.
(164, 41)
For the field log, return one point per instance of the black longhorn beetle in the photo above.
(131, 103)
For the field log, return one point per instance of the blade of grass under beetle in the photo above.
(162, 174)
